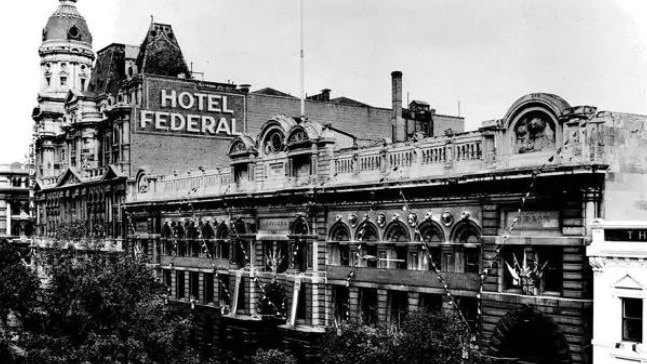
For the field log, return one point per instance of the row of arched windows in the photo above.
(465, 232)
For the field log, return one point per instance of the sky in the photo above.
(483, 54)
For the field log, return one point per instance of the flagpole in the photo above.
(302, 55)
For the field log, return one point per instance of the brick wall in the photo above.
(364, 122)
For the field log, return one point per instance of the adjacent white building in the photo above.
(618, 255)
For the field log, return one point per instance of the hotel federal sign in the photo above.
(177, 108)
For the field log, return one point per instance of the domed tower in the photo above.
(66, 60)
(66, 53)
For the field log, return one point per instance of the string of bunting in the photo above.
(439, 276)
(508, 230)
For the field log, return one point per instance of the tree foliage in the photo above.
(101, 307)
(18, 289)
(423, 338)
(273, 356)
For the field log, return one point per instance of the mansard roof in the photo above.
(109, 71)
(160, 53)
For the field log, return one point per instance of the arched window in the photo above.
(193, 234)
(431, 233)
(180, 235)
(166, 234)
(468, 234)
(208, 232)
(300, 227)
(397, 232)
(367, 232)
(340, 232)
(222, 234)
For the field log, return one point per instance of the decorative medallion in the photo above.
(447, 218)
(352, 220)
(412, 219)
(381, 220)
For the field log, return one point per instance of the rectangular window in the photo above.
(63, 81)
(431, 303)
(413, 262)
(401, 257)
(371, 260)
(382, 259)
(552, 261)
(341, 304)
(344, 255)
(472, 258)
(436, 254)
(224, 249)
(194, 285)
(632, 320)
(179, 281)
(240, 310)
(368, 299)
(398, 303)
(208, 288)
(302, 304)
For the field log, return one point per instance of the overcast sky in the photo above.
(484, 53)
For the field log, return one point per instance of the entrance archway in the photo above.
(531, 337)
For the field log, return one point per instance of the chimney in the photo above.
(325, 94)
(244, 88)
(397, 122)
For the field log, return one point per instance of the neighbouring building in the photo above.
(329, 232)
(103, 117)
(15, 218)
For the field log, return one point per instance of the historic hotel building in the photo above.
(310, 232)
(103, 117)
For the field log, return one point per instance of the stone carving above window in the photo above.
(273, 142)
(298, 137)
(533, 132)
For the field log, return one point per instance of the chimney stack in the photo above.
(397, 122)
(325, 94)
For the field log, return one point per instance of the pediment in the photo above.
(111, 173)
(629, 283)
(69, 178)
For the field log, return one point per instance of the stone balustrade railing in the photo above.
(440, 157)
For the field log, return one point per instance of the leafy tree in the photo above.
(355, 343)
(423, 338)
(102, 307)
(18, 288)
(273, 356)
(427, 337)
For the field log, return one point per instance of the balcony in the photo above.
(434, 158)
(428, 279)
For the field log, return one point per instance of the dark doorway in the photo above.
(531, 337)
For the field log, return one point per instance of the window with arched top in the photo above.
(222, 234)
(273, 142)
(367, 232)
(167, 234)
(431, 233)
(300, 227)
(180, 236)
(208, 232)
(469, 236)
(340, 232)
(397, 232)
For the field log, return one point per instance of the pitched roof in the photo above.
(160, 53)
(349, 102)
(271, 92)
